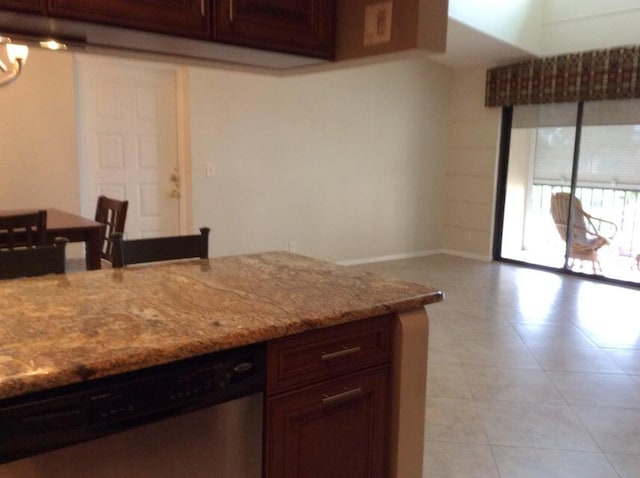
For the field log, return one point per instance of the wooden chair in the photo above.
(112, 213)
(138, 251)
(587, 233)
(34, 261)
(23, 230)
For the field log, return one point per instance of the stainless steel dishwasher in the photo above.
(197, 418)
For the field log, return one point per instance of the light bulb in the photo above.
(53, 45)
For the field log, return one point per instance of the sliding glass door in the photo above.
(572, 188)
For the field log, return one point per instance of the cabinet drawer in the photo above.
(327, 353)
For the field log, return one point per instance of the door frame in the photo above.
(182, 129)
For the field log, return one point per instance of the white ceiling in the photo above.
(467, 47)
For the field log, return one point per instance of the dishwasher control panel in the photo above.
(80, 412)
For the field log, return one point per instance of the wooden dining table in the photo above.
(76, 229)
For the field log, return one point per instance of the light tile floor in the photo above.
(531, 373)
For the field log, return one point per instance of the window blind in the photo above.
(609, 148)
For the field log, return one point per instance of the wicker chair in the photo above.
(588, 232)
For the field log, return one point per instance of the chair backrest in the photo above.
(23, 230)
(112, 213)
(560, 214)
(138, 251)
(34, 261)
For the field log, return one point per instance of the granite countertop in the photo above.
(59, 330)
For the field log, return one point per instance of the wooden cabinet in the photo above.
(178, 17)
(31, 6)
(304, 27)
(327, 406)
(331, 430)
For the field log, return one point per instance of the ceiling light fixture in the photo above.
(53, 45)
(12, 58)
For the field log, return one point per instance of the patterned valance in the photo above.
(588, 76)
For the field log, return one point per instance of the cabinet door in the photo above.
(32, 6)
(304, 27)
(179, 17)
(333, 430)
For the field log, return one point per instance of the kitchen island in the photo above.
(68, 330)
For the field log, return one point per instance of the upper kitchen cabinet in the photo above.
(189, 18)
(31, 6)
(304, 27)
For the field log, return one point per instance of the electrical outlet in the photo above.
(292, 246)
(377, 23)
(211, 170)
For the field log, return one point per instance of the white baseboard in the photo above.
(392, 257)
(413, 255)
(467, 255)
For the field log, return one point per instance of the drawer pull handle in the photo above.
(340, 396)
(340, 353)
(202, 12)
(231, 11)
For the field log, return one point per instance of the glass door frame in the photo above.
(501, 195)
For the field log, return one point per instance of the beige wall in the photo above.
(471, 167)
(348, 163)
(38, 162)
(578, 25)
(515, 22)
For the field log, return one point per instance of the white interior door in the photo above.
(129, 142)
